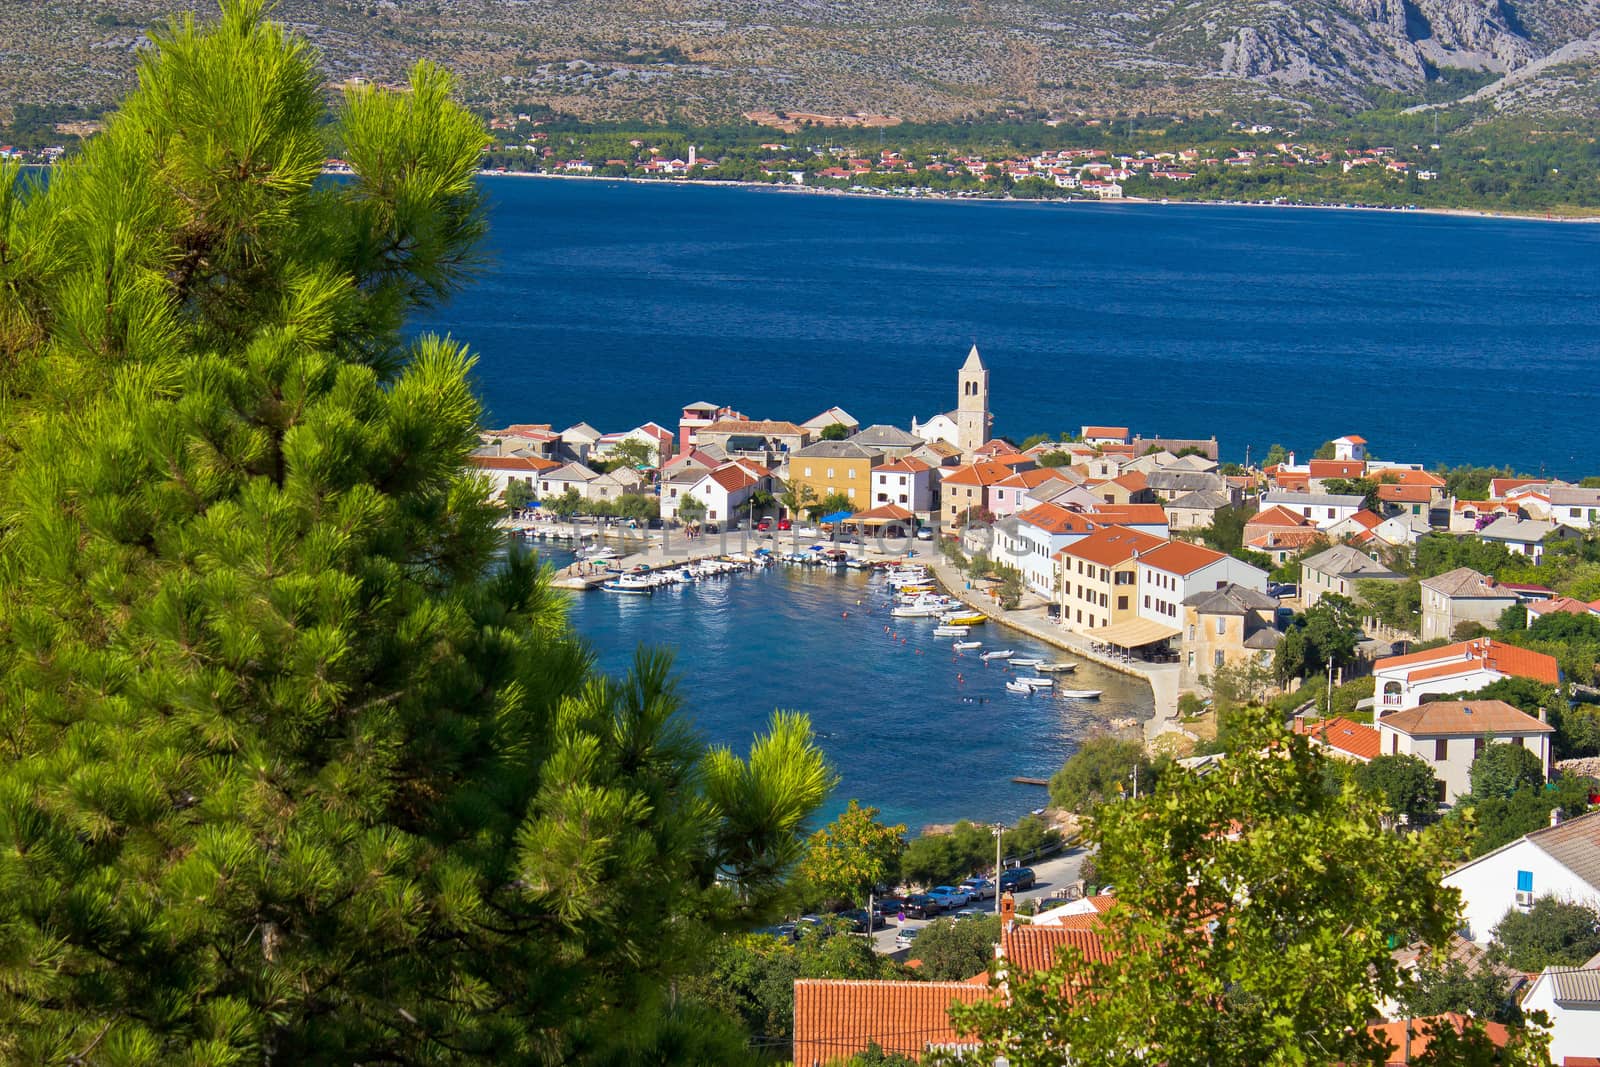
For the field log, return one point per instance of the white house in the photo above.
(1524, 537)
(1337, 570)
(502, 470)
(941, 427)
(1350, 448)
(573, 476)
(1570, 998)
(1324, 510)
(1041, 532)
(1560, 860)
(908, 483)
(1170, 574)
(725, 489)
(1449, 735)
(652, 435)
(1464, 667)
(1458, 596)
(1104, 435)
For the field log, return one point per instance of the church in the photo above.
(968, 426)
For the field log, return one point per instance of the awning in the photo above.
(837, 516)
(1134, 633)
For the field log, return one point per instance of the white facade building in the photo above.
(1561, 860)
(1324, 510)
(1465, 667)
(906, 483)
(1570, 998)
(1172, 573)
(1449, 735)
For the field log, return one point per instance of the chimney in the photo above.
(1542, 717)
(1008, 909)
(1555, 816)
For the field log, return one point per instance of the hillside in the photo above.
(712, 60)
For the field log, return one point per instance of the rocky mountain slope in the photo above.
(717, 59)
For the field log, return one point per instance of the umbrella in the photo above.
(837, 516)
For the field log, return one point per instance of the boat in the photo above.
(597, 554)
(1019, 687)
(999, 653)
(915, 611)
(1080, 694)
(964, 646)
(949, 631)
(964, 618)
(1029, 662)
(628, 584)
(1056, 668)
(1038, 683)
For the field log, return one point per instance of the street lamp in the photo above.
(999, 830)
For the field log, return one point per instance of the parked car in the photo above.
(922, 906)
(904, 938)
(783, 931)
(1017, 878)
(764, 525)
(784, 524)
(861, 921)
(979, 888)
(949, 896)
(889, 904)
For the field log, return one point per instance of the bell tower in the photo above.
(972, 408)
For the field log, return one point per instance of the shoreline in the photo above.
(867, 194)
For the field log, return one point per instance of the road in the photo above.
(1053, 876)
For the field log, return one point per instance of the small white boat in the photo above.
(1001, 653)
(963, 646)
(1081, 694)
(627, 584)
(598, 554)
(914, 611)
(1056, 668)
(1029, 662)
(949, 631)
(1019, 687)
(1038, 683)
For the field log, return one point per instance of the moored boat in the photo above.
(1019, 687)
(1080, 694)
(964, 646)
(1000, 653)
(1038, 683)
(949, 631)
(1056, 668)
(1029, 662)
(964, 618)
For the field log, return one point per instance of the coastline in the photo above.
(1445, 212)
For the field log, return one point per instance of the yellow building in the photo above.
(1098, 577)
(830, 467)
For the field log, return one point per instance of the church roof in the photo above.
(974, 361)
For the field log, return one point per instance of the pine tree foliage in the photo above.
(297, 768)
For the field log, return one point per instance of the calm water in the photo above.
(1438, 339)
(912, 727)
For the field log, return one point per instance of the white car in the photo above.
(949, 897)
(904, 938)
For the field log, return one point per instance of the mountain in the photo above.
(709, 60)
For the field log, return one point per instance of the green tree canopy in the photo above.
(952, 950)
(1501, 769)
(1215, 953)
(516, 494)
(690, 508)
(1552, 933)
(852, 854)
(1499, 821)
(1101, 770)
(1406, 784)
(299, 767)
(1327, 631)
(935, 859)
(1276, 455)
(835, 431)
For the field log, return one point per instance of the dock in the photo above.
(1021, 779)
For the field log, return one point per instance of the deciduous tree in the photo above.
(1102, 769)
(1552, 933)
(852, 854)
(1501, 769)
(1406, 784)
(951, 950)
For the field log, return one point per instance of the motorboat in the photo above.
(1029, 662)
(1038, 683)
(999, 653)
(915, 611)
(1056, 668)
(1081, 694)
(964, 618)
(966, 646)
(1019, 687)
(598, 554)
(949, 631)
(638, 585)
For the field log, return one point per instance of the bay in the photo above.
(1438, 338)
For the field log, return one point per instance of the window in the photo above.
(1102, 600)
(1524, 881)
(1216, 658)
(851, 492)
(1477, 747)
(1191, 657)
(1122, 603)
(1330, 513)
(1192, 629)
(808, 472)
(852, 474)
(1441, 750)
(1222, 625)
(1124, 577)
(830, 474)
(1147, 600)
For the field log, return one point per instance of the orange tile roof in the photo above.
(1013, 460)
(1286, 539)
(1181, 557)
(1562, 605)
(1405, 494)
(1463, 657)
(1089, 920)
(980, 474)
(1469, 718)
(997, 447)
(908, 465)
(887, 512)
(1406, 476)
(763, 427)
(1030, 949)
(1034, 478)
(1133, 481)
(835, 1019)
(513, 463)
(1394, 1033)
(733, 477)
(1499, 487)
(1135, 514)
(1112, 545)
(1292, 480)
(1366, 519)
(1052, 518)
(1105, 431)
(1277, 515)
(1355, 738)
(1116, 450)
(1337, 468)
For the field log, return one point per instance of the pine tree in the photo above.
(297, 767)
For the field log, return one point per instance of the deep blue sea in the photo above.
(924, 733)
(1439, 339)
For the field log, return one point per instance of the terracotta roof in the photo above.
(732, 477)
(1366, 519)
(1278, 515)
(512, 463)
(765, 427)
(997, 447)
(1287, 538)
(1499, 487)
(1405, 494)
(1111, 545)
(1029, 949)
(981, 474)
(1105, 431)
(1354, 738)
(1466, 656)
(1035, 478)
(1464, 718)
(1337, 468)
(1395, 1034)
(1406, 476)
(1181, 557)
(835, 1019)
(908, 465)
(885, 512)
(1013, 459)
(1561, 605)
(1132, 481)
(1116, 450)
(1353, 439)
(1131, 514)
(1052, 518)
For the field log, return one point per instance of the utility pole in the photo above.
(999, 839)
(1330, 687)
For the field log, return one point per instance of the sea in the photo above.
(1440, 339)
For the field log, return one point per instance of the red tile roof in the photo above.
(1353, 738)
(1464, 657)
(1131, 514)
(1029, 949)
(1053, 518)
(1353, 439)
(1405, 494)
(1181, 557)
(1105, 431)
(1406, 476)
(1133, 481)
(762, 427)
(980, 474)
(1277, 515)
(733, 477)
(512, 463)
(834, 1019)
(1337, 468)
(1112, 545)
(1464, 718)
(1395, 1034)
(1034, 478)
(1563, 605)
(908, 465)
(1286, 539)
